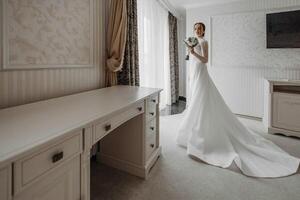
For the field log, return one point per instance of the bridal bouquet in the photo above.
(190, 42)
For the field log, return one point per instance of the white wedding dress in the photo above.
(212, 133)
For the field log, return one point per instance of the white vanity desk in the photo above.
(45, 146)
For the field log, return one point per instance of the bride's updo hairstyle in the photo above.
(201, 24)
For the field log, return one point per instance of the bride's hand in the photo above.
(191, 49)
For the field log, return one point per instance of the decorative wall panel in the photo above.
(46, 34)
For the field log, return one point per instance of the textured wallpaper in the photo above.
(48, 32)
(239, 40)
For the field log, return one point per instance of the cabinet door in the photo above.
(5, 183)
(286, 111)
(63, 183)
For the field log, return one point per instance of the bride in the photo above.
(212, 133)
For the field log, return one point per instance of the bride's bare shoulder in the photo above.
(204, 43)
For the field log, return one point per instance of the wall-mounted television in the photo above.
(283, 30)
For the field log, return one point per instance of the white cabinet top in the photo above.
(283, 81)
(25, 127)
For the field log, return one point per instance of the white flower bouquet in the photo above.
(190, 42)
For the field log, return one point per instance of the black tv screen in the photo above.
(283, 30)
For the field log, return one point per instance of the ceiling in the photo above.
(181, 5)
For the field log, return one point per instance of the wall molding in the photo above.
(93, 48)
(246, 6)
(266, 10)
(256, 67)
(167, 5)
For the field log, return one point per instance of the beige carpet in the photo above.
(176, 176)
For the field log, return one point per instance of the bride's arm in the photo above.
(204, 58)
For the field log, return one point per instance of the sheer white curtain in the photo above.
(153, 33)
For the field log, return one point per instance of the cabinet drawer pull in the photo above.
(57, 157)
(153, 100)
(152, 145)
(107, 127)
(294, 103)
(152, 113)
(152, 128)
(140, 108)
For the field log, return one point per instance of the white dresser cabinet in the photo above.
(45, 146)
(282, 107)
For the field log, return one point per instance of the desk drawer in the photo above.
(153, 99)
(37, 164)
(150, 144)
(151, 104)
(151, 127)
(151, 134)
(103, 128)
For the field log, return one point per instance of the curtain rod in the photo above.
(166, 4)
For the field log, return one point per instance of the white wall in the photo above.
(237, 67)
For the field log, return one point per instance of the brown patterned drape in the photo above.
(129, 75)
(173, 50)
(116, 40)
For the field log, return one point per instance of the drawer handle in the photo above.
(107, 127)
(152, 113)
(140, 108)
(152, 128)
(57, 157)
(153, 100)
(152, 145)
(293, 103)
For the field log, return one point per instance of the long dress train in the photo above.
(212, 133)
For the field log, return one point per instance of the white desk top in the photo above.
(25, 127)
